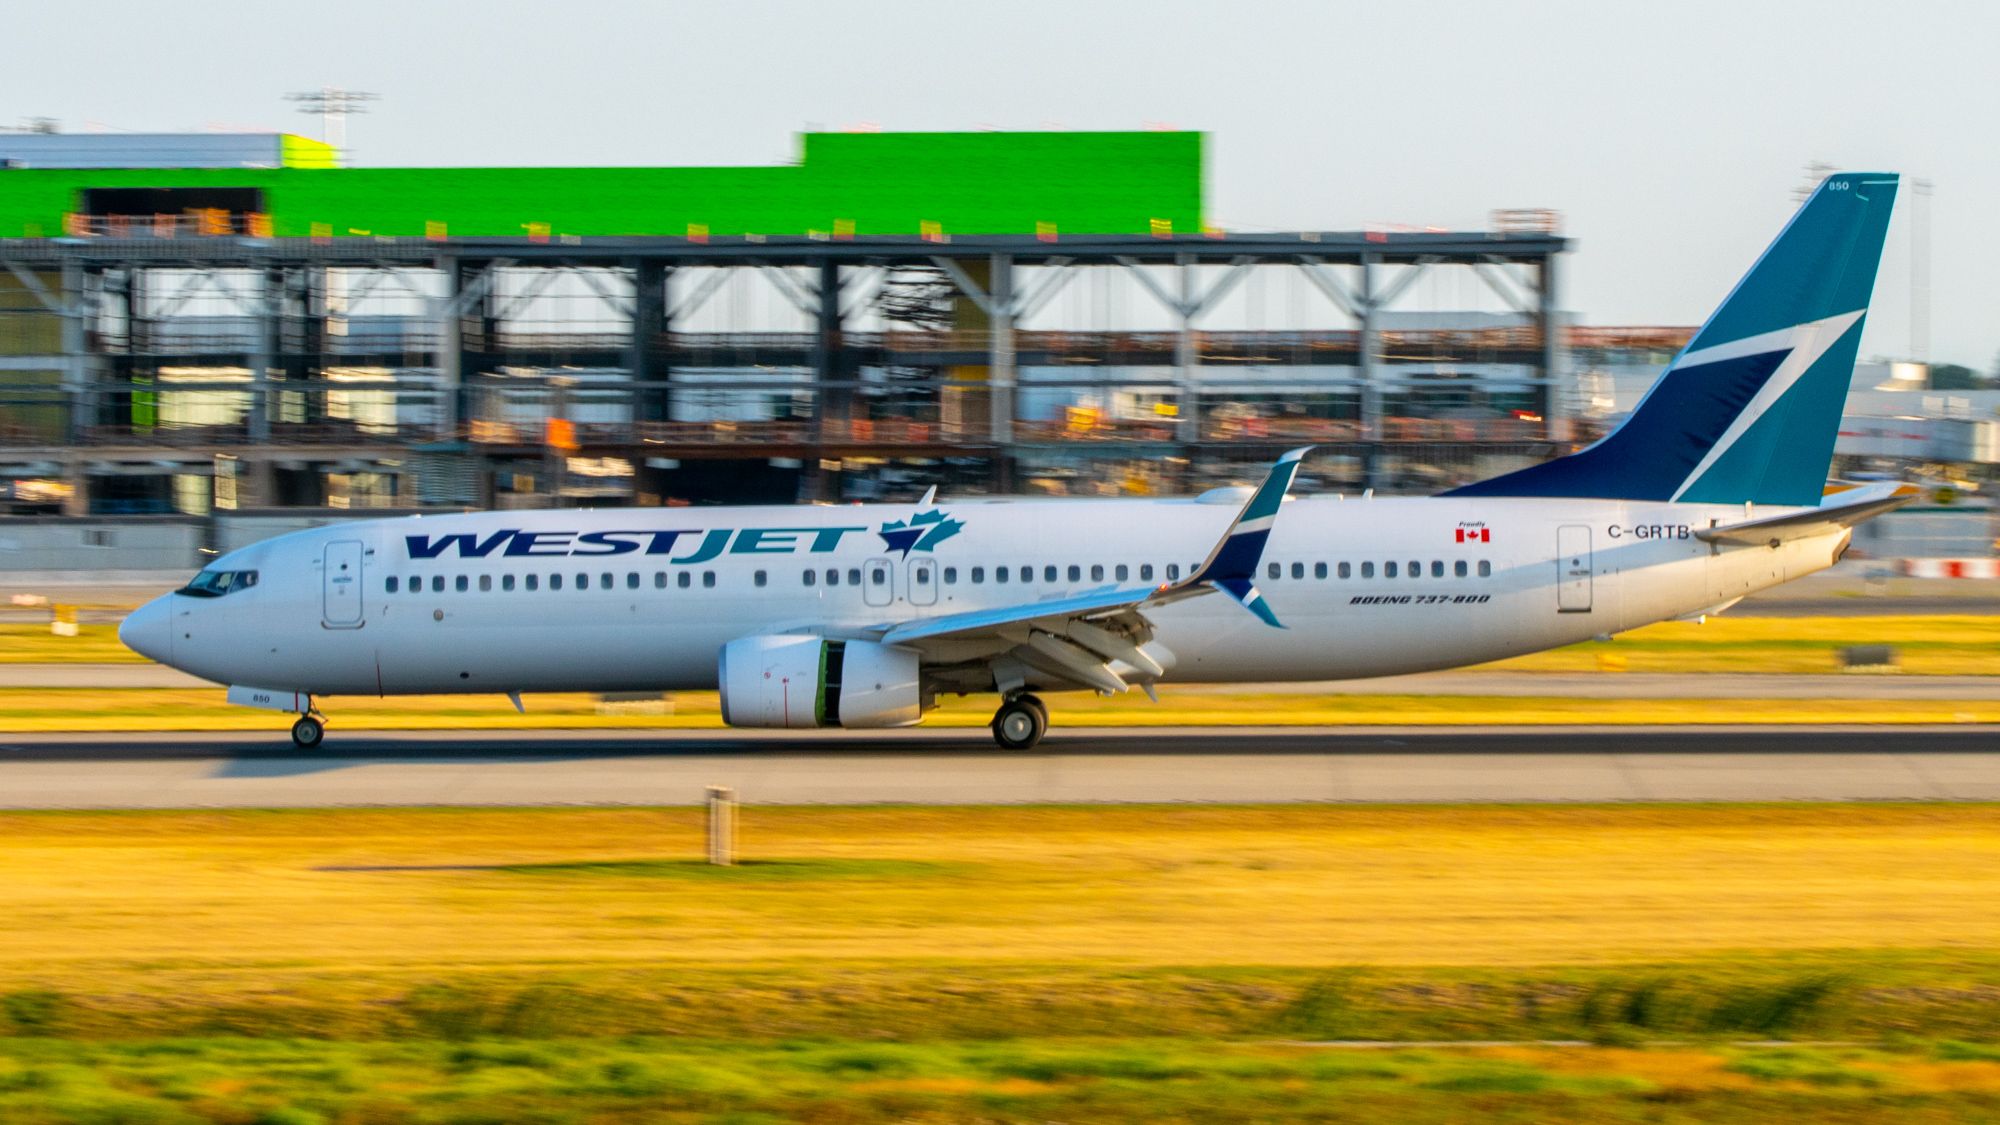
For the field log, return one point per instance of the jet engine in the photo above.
(806, 681)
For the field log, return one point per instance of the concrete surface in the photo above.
(959, 767)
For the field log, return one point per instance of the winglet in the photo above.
(1232, 566)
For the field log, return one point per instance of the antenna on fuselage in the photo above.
(930, 497)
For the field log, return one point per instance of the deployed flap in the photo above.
(1837, 510)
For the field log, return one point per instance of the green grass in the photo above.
(283, 1082)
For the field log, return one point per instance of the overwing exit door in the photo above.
(1573, 568)
(340, 584)
(922, 585)
(878, 582)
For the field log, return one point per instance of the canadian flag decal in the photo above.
(1475, 535)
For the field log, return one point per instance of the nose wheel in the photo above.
(307, 732)
(1020, 723)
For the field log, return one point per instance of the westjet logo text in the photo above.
(680, 545)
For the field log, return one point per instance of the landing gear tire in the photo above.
(1041, 708)
(307, 732)
(1020, 723)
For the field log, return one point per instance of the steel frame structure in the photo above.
(286, 341)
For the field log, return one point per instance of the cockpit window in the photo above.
(216, 583)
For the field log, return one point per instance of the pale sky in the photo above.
(1670, 135)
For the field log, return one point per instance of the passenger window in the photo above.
(485, 583)
(833, 578)
(582, 581)
(463, 583)
(757, 579)
(555, 581)
(854, 576)
(1319, 570)
(1437, 569)
(708, 579)
(1000, 574)
(534, 581)
(878, 575)
(1145, 572)
(978, 575)
(1173, 572)
(1485, 569)
(922, 574)
(1120, 573)
(390, 583)
(1416, 569)
(810, 577)
(684, 580)
(1273, 570)
(951, 576)
(506, 582)
(437, 583)
(1344, 570)
(605, 581)
(1097, 572)
(1388, 570)
(659, 580)
(1048, 574)
(1027, 575)
(631, 580)
(1368, 569)
(1458, 569)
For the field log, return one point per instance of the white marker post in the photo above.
(721, 826)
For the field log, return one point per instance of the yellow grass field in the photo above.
(1169, 964)
(173, 904)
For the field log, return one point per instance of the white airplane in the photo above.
(864, 616)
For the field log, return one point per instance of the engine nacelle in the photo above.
(794, 680)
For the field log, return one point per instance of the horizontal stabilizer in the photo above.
(1839, 510)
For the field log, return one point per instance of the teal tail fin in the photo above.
(1750, 408)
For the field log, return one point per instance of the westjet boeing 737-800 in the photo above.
(863, 616)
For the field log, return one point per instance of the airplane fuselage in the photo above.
(643, 599)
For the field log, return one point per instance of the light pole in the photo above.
(334, 106)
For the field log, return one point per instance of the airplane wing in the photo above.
(1837, 510)
(1097, 639)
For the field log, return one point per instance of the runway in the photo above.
(360, 768)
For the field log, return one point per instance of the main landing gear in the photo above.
(1020, 723)
(307, 732)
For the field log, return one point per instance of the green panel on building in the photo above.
(859, 183)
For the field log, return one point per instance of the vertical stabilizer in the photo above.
(1750, 408)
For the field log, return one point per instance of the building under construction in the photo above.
(187, 326)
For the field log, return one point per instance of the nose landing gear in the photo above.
(307, 732)
(1020, 723)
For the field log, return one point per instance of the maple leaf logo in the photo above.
(920, 532)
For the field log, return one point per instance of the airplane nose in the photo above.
(149, 630)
